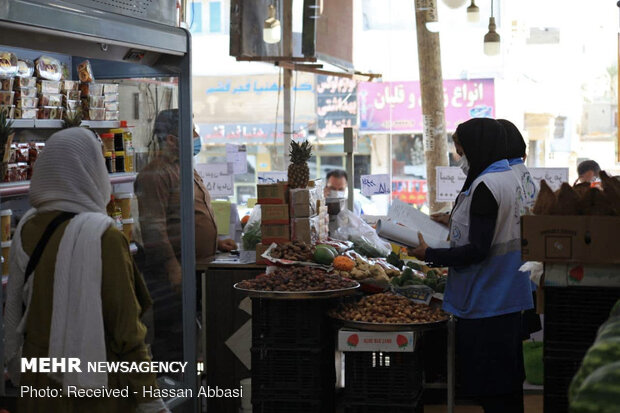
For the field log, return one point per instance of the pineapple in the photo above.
(73, 118)
(298, 171)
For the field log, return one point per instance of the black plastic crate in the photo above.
(286, 323)
(413, 407)
(384, 377)
(555, 403)
(293, 372)
(275, 405)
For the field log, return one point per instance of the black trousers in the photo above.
(490, 366)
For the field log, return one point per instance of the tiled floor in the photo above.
(533, 404)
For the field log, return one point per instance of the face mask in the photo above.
(197, 145)
(336, 194)
(463, 164)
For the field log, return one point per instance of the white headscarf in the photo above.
(70, 175)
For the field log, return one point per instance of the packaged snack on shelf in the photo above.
(305, 230)
(50, 112)
(109, 88)
(48, 68)
(112, 97)
(48, 86)
(96, 102)
(111, 106)
(96, 114)
(91, 89)
(73, 104)
(68, 85)
(85, 72)
(50, 99)
(6, 83)
(25, 68)
(8, 110)
(25, 82)
(72, 94)
(8, 64)
(27, 102)
(22, 171)
(111, 115)
(27, 92)
(6, 97)
(26, 113)
(21, 154)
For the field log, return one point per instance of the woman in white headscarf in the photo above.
(73, 289)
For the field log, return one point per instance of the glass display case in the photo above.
(141, 70)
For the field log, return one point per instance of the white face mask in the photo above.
(336, 194)
(463, 164)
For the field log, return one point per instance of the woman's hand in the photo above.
(442, 218)
(226, 245)
(420, 251)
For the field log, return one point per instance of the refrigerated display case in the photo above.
(141, 49)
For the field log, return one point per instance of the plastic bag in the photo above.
(535, 269)
(353, 228)
(251, 232)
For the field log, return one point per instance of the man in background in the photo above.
(336, 183)
(588, 171)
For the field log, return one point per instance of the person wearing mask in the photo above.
(588, 172)
(336, 186)
(72, 277)
(158, 191)
(516, 159)
(485, 290)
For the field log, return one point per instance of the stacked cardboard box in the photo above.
(275, 222)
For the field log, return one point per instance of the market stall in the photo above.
(324, 294)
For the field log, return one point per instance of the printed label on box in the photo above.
(396, 341)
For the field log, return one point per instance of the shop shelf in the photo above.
(285, 323)
(57, 124)
(390, 378)
(22, 187)
(303, 373)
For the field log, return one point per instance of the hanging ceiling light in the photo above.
(473, 13)
(454, 4)
(272, 32)
(491, 39)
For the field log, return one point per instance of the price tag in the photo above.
(217, 178)
(450, 180)
(272, 177)
(375, 184)
(553, 176)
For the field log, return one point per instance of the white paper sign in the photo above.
(217, 178)
(434, 233)
(450, 180)
(553, 176)
(237, 155)
(375, 184)
(272, 177)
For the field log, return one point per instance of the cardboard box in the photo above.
(274, 214)
(275, 233)
(581, 239)
(260, 250)
(272, 193)
(306, 202)
(397, 341)
(305, 229)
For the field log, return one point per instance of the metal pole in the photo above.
(349, 148)
(431, 86)
(451, 363)
(287, 44)
(188, 251)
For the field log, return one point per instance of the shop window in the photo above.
(195, 21)
(215, 17)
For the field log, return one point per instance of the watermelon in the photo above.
(600, 354)
(615, 311)
(599, 392)
(610, 328)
